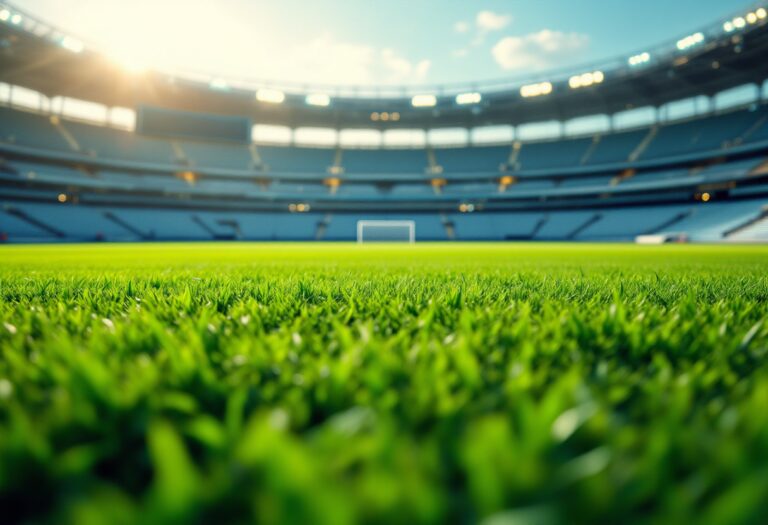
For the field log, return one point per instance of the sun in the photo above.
(164, 35)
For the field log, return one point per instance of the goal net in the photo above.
(386, 231)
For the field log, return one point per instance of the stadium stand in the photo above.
(141, 171)
(216, 155)
(552, 154)
(478, 159)
(105, 143)
(29, 129)
(296, 159)
(413, 161)
(615, 147)
(756, 231)
(706, 134)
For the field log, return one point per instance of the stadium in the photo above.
(238, 300)
(189, 170)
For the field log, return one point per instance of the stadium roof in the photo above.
(727, 54)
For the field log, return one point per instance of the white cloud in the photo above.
(459, 53)
(461, 27)
(325, 60)
(421, 70)
(537, 51)
(487, 21)
(399, 69)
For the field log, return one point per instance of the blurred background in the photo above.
(253, 121)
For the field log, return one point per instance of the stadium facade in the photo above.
(93, 151)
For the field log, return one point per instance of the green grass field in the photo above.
(321, 383)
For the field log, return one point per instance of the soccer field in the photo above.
(336, 383)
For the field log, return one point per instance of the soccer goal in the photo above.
(386, 231)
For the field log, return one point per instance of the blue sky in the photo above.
(375, 42)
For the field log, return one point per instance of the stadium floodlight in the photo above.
(270, 96)
(586, 79)
(332, 182)
(536, 90)
(424, 101)
(639, 59)
(16, 19)
(696, 38)
(384, 116)
(318, 99)
(72, 44)
(468, 98)
(740, 22)
(386, 231)
(5, 15)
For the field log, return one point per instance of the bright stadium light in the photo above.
(695, 39)
(468, 98)
(72, 44)
(424, 101)
(219, 84)
(740, 22)
(536, 90)
(298, 208)
(318, 99)
(129, 62)
(332, 182)
(270, 96)
(586, 79)
(16, 19)
(385, 116)
(639, 59)
(5, 15)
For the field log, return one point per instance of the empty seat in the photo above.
(294, 159)
(553, 154)
(384, 161)
(217, 155)
(473, 159)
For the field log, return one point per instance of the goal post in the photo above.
(386, 231)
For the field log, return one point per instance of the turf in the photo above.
(516, 383)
